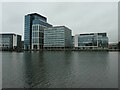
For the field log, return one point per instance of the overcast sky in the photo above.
(80, 17)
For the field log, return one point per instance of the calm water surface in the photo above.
(60, 69)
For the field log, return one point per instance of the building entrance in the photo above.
(35, 47)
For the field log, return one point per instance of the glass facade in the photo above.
(92, 40)
(102, 41)
(27, 31)
(87, 40)
(72, 41)
(58, 36)
(37, 36)
(5, 42)
(10, 41)
(31, 19)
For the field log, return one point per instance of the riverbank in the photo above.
(75, 50)
(21, 50)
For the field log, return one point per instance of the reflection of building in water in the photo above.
(10, 41)
(91, 40)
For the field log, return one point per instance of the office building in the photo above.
(113, 46)
(91, 40)
(57, 37)
(32, 19)
(10, 41)
(37, 36)
(72, 41)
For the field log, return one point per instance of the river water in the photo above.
(60, 69)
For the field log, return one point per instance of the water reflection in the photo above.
(12, 70)
(59, 69)
(34, 68)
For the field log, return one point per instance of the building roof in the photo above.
(59, 27)
(103, 34)
(8, 34)
(37, 15)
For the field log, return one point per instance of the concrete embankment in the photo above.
(21, 50)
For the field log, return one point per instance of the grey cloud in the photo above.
(80, 17)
